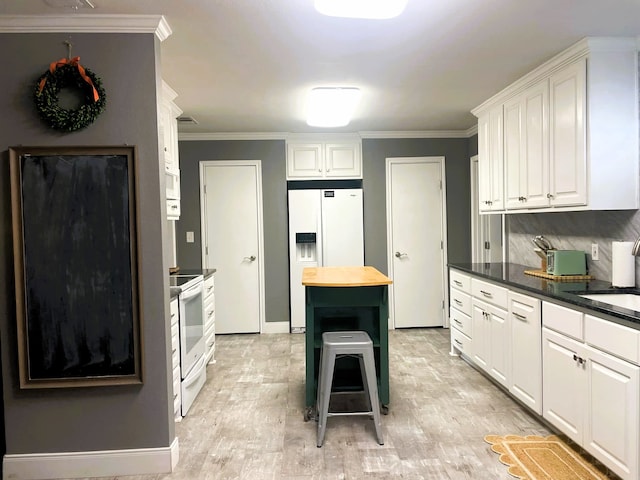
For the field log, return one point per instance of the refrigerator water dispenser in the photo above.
(306, 247)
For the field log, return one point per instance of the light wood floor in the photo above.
(248, 421)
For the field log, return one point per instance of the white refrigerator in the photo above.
(325, 230)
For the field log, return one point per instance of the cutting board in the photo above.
(559, 278)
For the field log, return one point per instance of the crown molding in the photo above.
(86, 23)
(233, 136)
(573, 53)
(417, 134)
(292, 136)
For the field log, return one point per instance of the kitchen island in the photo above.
(341, 299)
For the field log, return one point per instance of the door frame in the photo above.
(389, 161)
(203, 228)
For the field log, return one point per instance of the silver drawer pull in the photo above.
(486, 294)
(210, 313)
(457, 321)
(209, 289)
(458, 283)
(457, 341)
(457, 301)
(519, 316)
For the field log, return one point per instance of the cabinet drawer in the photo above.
(173, 208)
(460, 281)
(460, 321)
(209, 316)
(563, 320)
(210, 341)
(209, 329)
(460, 341)
(461, 301)
(208, 287)
(524, 308)
(490, 292)
(618, 340)
(174, 311)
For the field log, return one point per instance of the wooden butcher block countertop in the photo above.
(343, 277)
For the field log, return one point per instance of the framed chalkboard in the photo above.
(75, 241)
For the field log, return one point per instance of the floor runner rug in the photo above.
(543, 458)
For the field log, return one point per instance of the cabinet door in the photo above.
(499, 366)
(611, 424)
(564, 383)
(480, 348)
(525, 381)
(484, 164)
(304, 160)
(567, 91)
(514, 159)
(343, 160)
(536, 146)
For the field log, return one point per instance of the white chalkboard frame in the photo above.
(75, 242)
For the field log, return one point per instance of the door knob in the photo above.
(400, 255)
(251, 258)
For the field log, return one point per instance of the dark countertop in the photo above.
(512, 274)
(205, 272)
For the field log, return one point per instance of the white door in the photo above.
(416, 240)
(231, 195)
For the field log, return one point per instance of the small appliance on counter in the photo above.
(566, 262)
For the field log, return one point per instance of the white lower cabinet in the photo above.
(590, 395)
(525, 381)
(209, 319)
(175, 357)
(490, 346)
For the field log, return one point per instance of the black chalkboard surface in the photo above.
(75, 254)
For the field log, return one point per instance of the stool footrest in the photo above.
(349, 414)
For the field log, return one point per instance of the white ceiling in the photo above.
(246, 65)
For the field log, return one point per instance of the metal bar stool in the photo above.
(339, 344)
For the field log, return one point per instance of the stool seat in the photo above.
(339, 344)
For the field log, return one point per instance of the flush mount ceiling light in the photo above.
(375, 9)
(331, 106)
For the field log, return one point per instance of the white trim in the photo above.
(104, 463)
(445, 256)
(86, 23)
(275, 327)
(185, 136)
(417, 134)
(258, 166)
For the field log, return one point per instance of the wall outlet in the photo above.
(594, 251)
(189, 237)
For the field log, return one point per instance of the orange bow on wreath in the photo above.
(74, 62)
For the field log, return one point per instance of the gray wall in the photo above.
(456, 153)
(274, 204)
(95, 418)
(273, 156)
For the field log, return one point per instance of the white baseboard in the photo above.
(105, 463)
(275, 327)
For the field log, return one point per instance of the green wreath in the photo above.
(69, 74)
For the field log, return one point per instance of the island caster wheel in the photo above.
(384, 409)
(309, 414)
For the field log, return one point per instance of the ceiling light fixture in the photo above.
(331, 106)
(73, 4)
(373, 9)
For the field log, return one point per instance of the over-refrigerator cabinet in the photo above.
(325, 229)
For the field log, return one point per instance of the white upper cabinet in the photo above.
(570, 132)
(568, 136)
(490, 161)
(313, 158)
(169, 158)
